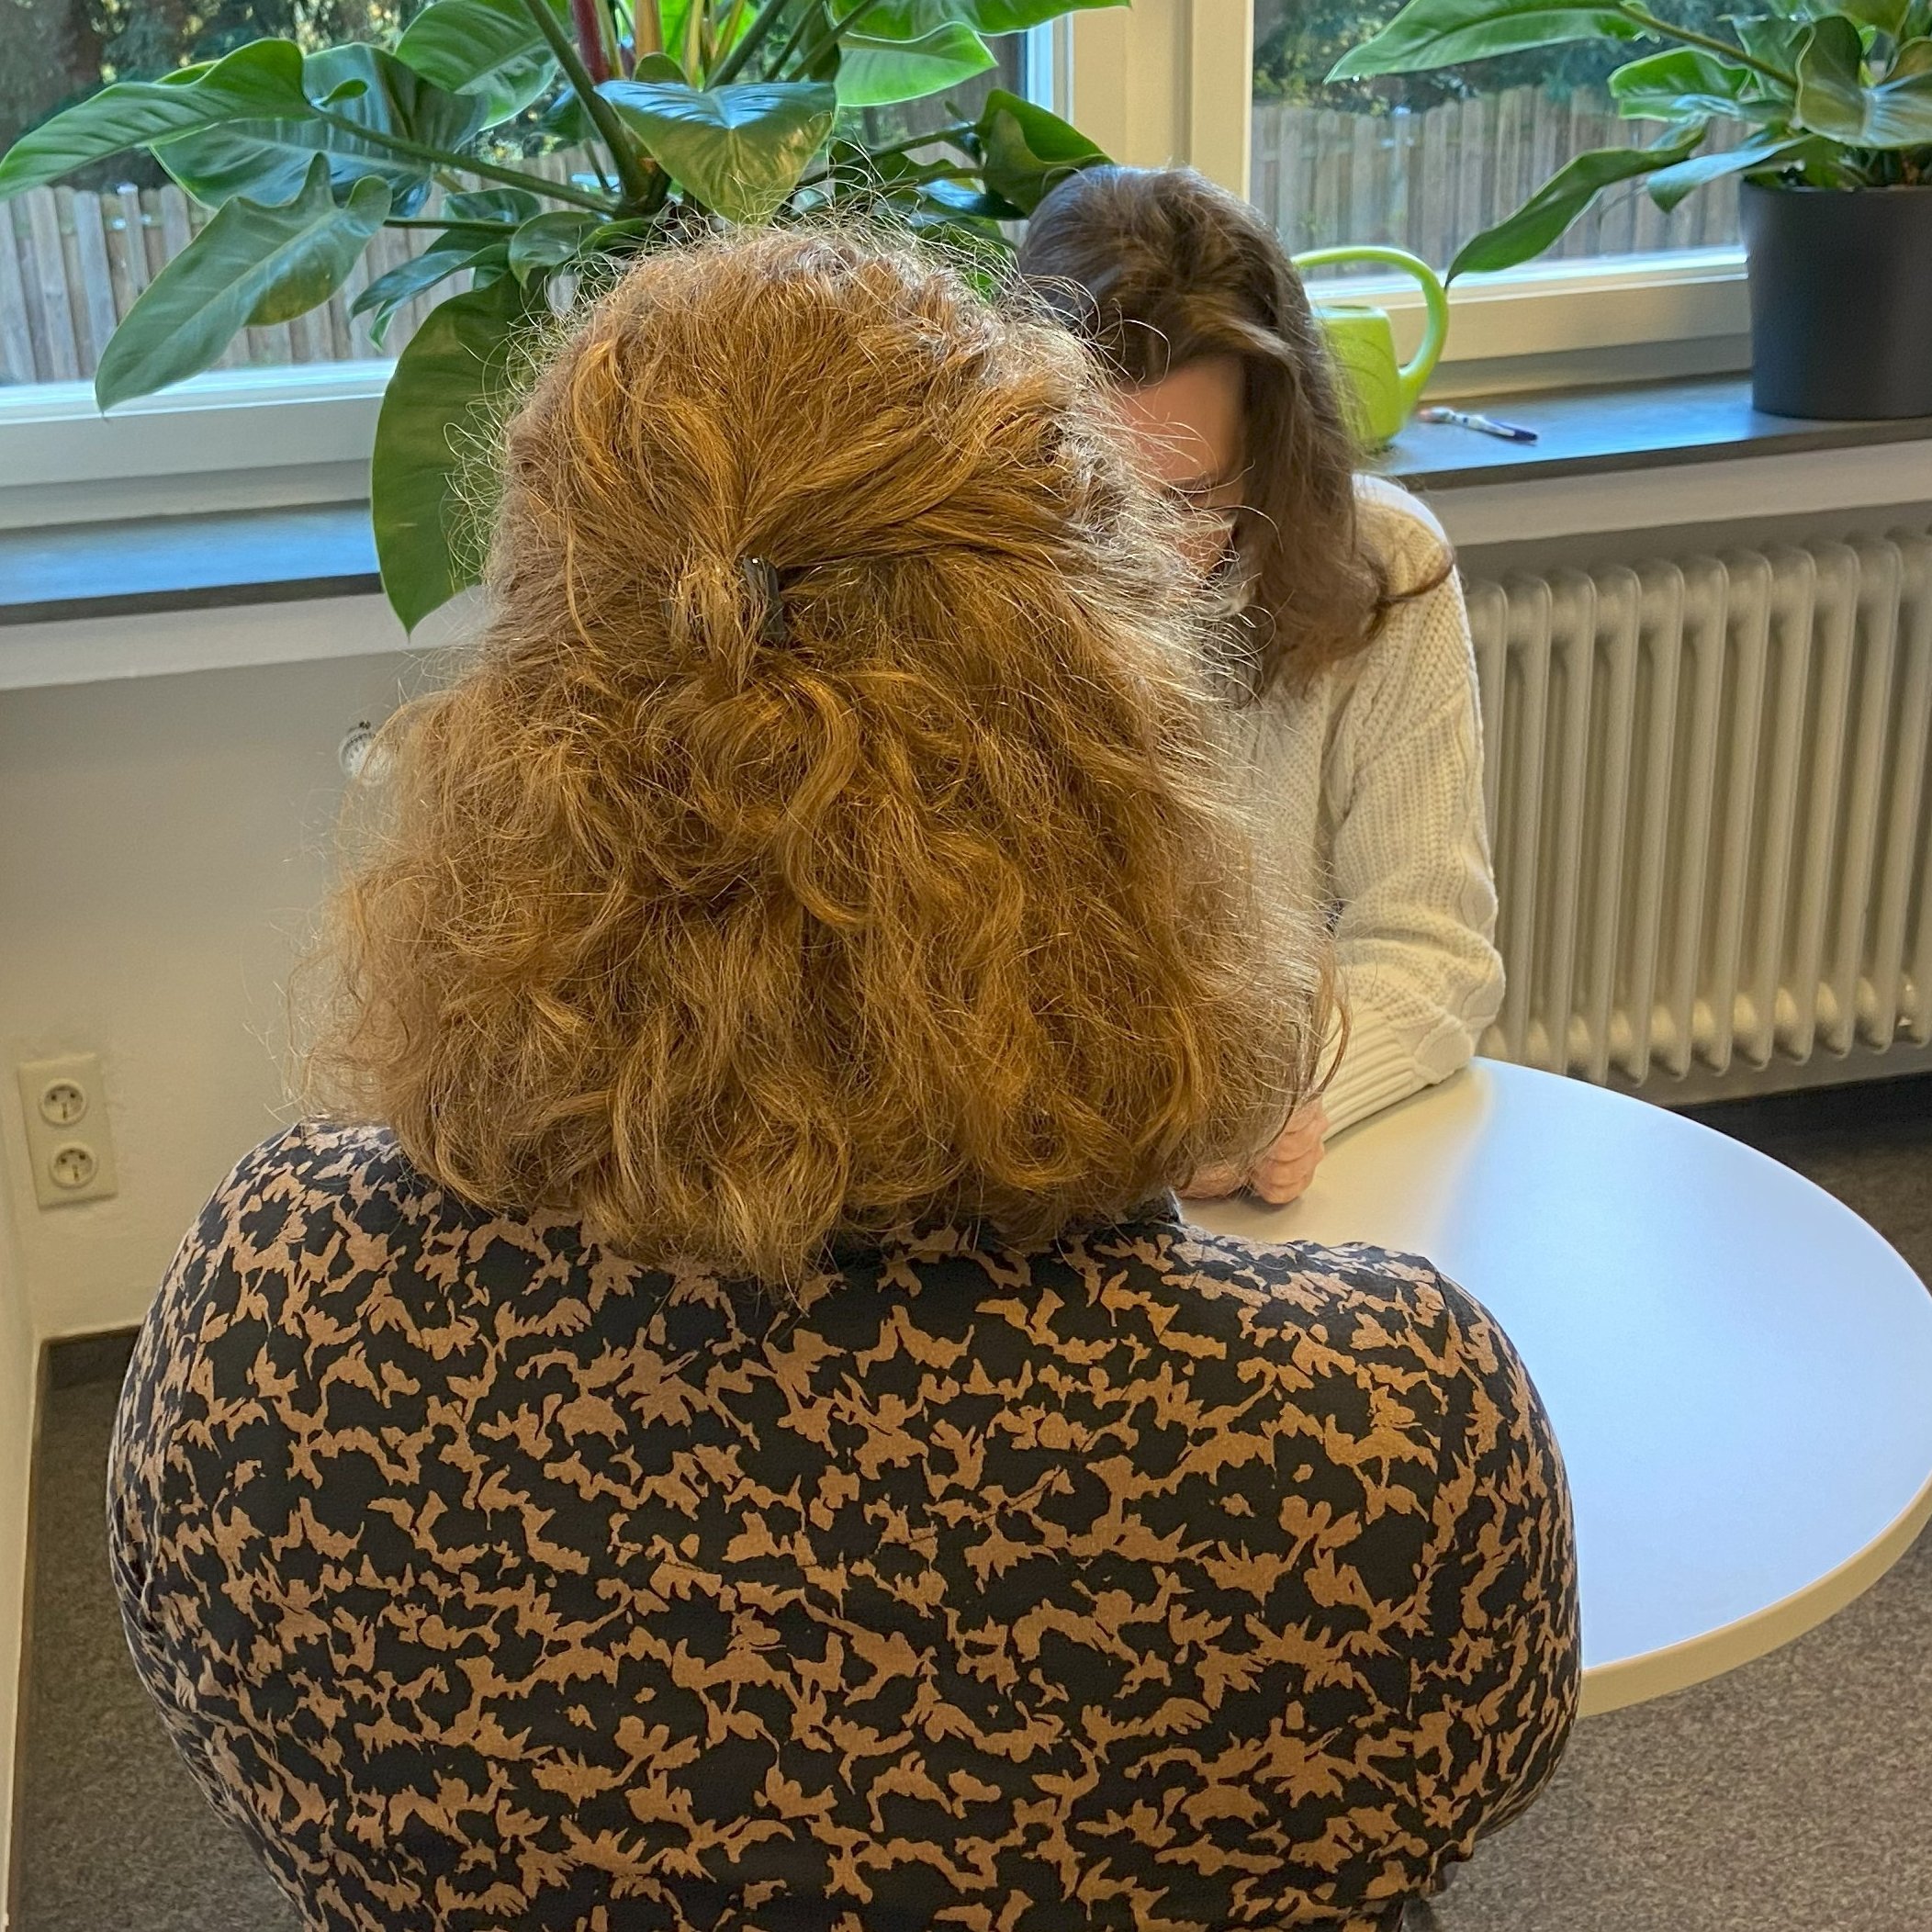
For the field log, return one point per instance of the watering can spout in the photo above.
(1381, 394)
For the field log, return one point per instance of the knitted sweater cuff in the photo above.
(1377, 1070)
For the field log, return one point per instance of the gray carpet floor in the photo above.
(1794, 1795)
(111, 1835)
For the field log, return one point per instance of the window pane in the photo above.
(1425, 161)
(1011, 52)
(74, 258)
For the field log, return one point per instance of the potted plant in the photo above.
(1836, 195)
(693, 113)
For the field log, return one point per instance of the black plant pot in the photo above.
(1841, 300)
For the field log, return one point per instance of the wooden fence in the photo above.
(72, 263)
(1428, 181)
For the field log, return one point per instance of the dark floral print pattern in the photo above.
(1147, 1579)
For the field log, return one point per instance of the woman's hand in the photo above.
(1283, 1171)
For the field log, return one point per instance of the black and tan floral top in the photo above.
(1143, 1580)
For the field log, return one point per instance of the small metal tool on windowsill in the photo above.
(1486, 425)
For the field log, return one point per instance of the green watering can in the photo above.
(1362, 341)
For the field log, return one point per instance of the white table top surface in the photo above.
(1738, 1369)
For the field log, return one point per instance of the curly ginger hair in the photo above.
(832, 827)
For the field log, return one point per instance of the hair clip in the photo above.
(762, 575)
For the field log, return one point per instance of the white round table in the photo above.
(1738, 1369)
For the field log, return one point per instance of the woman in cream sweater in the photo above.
(1355, 668)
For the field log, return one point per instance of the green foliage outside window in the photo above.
(1833, 95)
(1296, 42)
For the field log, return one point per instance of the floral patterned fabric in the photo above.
(1146, 1579)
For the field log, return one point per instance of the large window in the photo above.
(1425, 161)
(1422, 161)
(74, 258)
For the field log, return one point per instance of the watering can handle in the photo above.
(1435, 298)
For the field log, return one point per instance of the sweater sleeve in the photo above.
(1414, 936)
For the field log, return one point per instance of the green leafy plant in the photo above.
(691, 113)
(1837, 93)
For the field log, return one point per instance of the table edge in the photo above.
(1712, 1653)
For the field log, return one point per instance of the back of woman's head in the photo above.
(830, 831)
(1157, 268)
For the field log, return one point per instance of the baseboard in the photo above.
(24, 1677)
(1700, 1086)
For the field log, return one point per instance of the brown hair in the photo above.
(1157, 268)
(832, 828)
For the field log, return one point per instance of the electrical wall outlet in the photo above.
(65, 1103)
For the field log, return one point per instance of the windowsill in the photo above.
(186, 563)
(208, 561)
(1583, 432)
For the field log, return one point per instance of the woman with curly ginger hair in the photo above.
(723, 1424)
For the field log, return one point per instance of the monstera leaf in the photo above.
(1024, 150)
(448, 381)
(547, 241)
(1439, 33)
(913, 19)
(251, 264)
(875, 72)
(1682, 84)
(491, 47)
(739, 150)
(1890, 16)
(1559, 201)
(268, 160)
(1669, 186)
(1835, 99)
(452, 251)
(262, 78)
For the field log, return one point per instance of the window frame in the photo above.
(232, 438)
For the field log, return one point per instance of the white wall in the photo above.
(162, 842)
(165, 840)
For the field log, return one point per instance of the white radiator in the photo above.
(1709, 799)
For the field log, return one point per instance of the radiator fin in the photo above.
(1707, 790)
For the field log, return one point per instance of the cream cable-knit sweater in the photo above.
(1371, 787)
